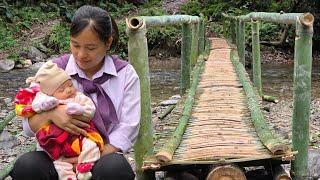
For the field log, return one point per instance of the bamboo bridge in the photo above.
(218, 125)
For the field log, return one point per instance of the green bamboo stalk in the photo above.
(224, 26)
(256, 57)
(167, 111)
(233, 31)
(153, 21)
(237, 33)
(269, 140)
(241, 42)
(269, 98)
(302, 95)
(165, 153)
(185, 58)
(201, 36)
(138, 55)
(6, 170)
(7, 119)
(285, 18)
(194, 44)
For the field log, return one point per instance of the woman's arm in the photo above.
(61, 119)
(124, 134)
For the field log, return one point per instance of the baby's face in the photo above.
(65, 91)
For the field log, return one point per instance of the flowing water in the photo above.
(164, 79)
(277, 80)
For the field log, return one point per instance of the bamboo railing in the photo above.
(192, 46)
(302, 73)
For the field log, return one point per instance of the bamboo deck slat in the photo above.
(220, 125)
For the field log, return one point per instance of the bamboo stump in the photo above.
(228, 172)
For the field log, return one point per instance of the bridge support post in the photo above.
(233, 29)
(302, 94)
(138, 55)
(194, 43)
(185, 58)
(256, 56)
(201, 36)
(241, 42)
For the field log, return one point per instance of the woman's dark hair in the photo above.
(98, 20)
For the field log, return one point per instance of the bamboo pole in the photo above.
(6, 120)
(167, 111)
(165, 154)
(285, 18)
(138, 55)
(273, 143)
(256, 56)
(233, 31)
(153, 21)
(237, 33)
(270, 98)
(242, 43)
(201, 36)
(226, 172)
(185, 58)
(302, 94)
(194, 44)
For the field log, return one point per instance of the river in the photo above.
(277, 80)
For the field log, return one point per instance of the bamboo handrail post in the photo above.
(185, 58)
(237, 33)
(233, 31)
(194, 44)
(256, 56)
(302, 94)
(242, 43)
(224, 27)
(201, 36)
(138, 55)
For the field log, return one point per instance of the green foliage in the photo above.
(7, 39)
(269, 31)
(20, 21)
(59, 38)
(122, 47)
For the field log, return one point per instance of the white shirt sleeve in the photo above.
(124, 134)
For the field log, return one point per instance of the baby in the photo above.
(57, 88)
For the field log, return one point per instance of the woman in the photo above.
(92, 32)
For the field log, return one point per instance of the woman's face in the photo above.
(89, 50)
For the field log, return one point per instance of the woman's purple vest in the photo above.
(105, 111)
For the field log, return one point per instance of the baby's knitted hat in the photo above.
(49, 77)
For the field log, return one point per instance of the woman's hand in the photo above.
(58, 116)
(71, 124)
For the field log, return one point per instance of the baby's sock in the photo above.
(83, 171)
